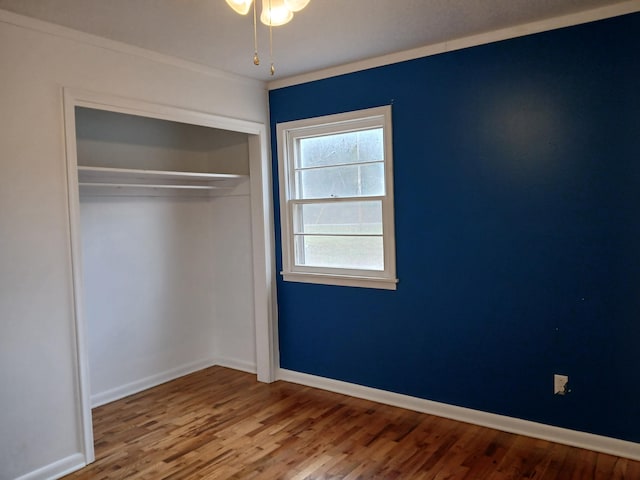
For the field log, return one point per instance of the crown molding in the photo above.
(601, 13)
(119, 47)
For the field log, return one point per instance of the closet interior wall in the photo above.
(167, 272)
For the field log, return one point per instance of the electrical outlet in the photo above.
(560, 384)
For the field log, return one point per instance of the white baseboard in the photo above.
(237, 364)
(122, 391)
(74, 462)
(57, 469)
(527, 428)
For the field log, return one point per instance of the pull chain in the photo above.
(256, 58)
(273, 68)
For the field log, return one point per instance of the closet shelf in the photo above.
(150, 185)
(118, 180)
(126, 175)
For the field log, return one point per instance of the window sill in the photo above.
(341, 280)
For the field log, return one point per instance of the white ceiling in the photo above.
(327, 33)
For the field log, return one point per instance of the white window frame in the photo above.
(288, 134)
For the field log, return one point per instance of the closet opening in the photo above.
(170, 244)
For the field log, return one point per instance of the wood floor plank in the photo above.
(222, 424)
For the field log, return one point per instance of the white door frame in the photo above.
(262, 230)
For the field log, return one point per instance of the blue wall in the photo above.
(517, 181)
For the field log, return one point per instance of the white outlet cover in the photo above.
(559, 384)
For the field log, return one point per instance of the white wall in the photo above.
(233, 309)
(39, 417)
(147, 283)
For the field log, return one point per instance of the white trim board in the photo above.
(120, 47)
(122, 391)
(131, 388)
(601, 13)
(236, 364)
(261, 221)
(623, 8)
(598, 443)
(57, 469)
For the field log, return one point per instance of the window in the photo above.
(336, 199)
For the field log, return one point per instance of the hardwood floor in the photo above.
(222, 424)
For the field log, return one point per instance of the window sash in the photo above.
(364, 253)
(302, 201)
(318, 167)
(296, 237)
(296, 214)
(370, 176)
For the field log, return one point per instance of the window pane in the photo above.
(346, 181)
(364, 253)
(339, 218)
(351, 147)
